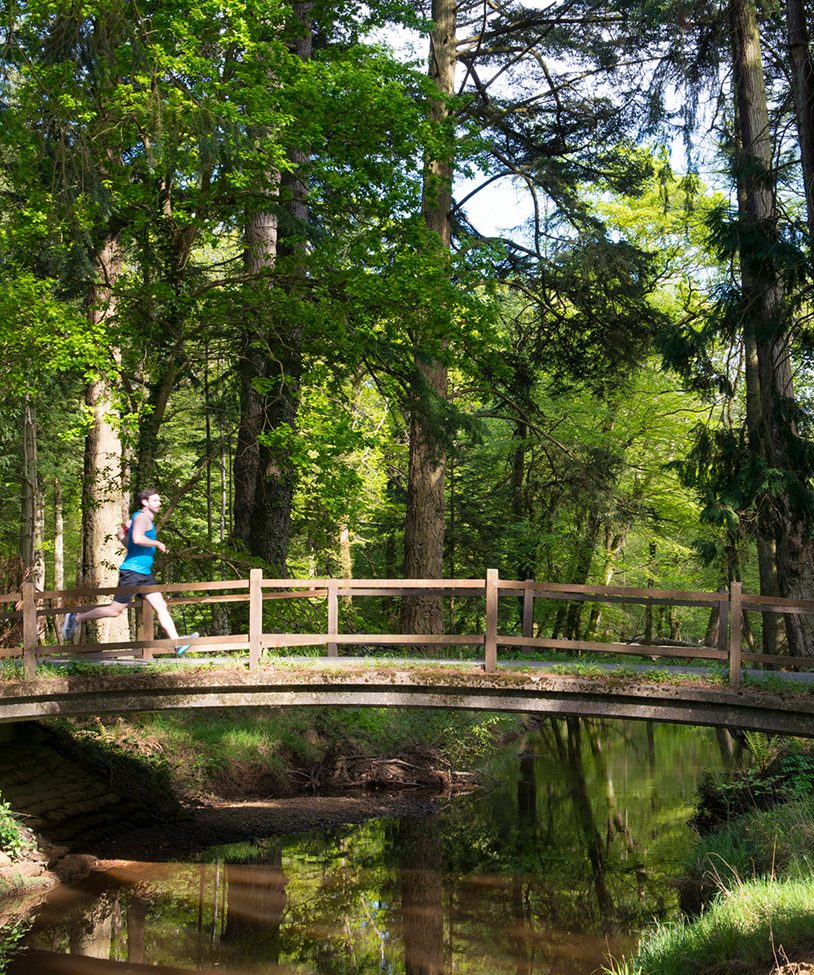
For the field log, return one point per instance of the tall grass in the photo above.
(769, 842)
(758, 878)
(745, 928)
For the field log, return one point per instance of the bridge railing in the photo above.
(32, 609)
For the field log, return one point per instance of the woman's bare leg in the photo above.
(101, 612)
(157, 601)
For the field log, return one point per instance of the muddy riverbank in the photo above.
(221, 823)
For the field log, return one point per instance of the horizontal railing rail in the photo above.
(32, 607)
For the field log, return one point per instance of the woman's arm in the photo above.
(139, 538)
(122, 531)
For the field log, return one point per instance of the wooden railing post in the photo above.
(255, 616)
(723, 620)
(735, 625)
(528, 610)
(490, 640)
(146, 628)
(30, 639)
(333, 619)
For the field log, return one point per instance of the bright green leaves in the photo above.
(41, 335)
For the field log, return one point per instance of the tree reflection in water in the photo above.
(92, 933)
(136, 918)
(422, 913)
(554, 865)
(255, 900)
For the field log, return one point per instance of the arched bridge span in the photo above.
(398, 686)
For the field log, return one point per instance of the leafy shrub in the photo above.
(12, 840)
(787, 775)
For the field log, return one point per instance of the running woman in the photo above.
(140, 535)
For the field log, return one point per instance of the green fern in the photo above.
(761, 745)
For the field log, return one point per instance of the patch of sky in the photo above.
(501, 205)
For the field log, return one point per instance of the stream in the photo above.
(571, 848)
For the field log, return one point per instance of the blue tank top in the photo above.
(139, 557)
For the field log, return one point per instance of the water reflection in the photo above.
(554, 868)
(255, 901)
(422, 912)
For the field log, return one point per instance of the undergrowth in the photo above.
(261, 751)
(13, 840)
(783, 772)
(11, 938)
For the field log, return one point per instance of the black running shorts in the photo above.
(128, 578)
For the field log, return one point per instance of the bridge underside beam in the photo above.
(559, 696)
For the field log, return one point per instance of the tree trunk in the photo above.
(59, 554)
(274, 494)
(32, 528)
(569, 614)
(770, 398)
(29, 482)
(276, 477)
(767, 565)
(424, 524)
(613, 546)
(103, 502)
(38, 566)
(259, 257)
(713, 627)
(265, 478)
(524, 566)
(582, 570)
(802, 78)
(345, 552)
(59, 538)
(151, 419)
(246, 465)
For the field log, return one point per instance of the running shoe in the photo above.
(180, 651)
(69, 625)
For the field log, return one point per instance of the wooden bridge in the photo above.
(486, 680)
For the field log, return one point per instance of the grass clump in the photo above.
(777, 684)
(749, 880)
(739, 930)
(774, 842)
(647, 675)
